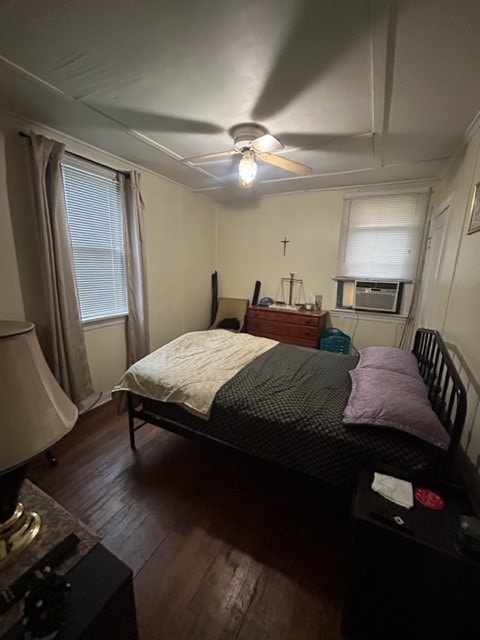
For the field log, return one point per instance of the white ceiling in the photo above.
(363, 91)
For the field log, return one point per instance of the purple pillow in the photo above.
(390, 359)
(390, 399)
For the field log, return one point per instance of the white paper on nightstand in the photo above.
(394, 489)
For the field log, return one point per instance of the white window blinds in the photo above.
(95, 218)
(381, 235)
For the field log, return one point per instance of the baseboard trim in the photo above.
(94, 401)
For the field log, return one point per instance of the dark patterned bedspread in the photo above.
(287, 405)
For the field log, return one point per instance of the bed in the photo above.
(318, 413)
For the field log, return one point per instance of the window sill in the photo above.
(100, 323)
(369, 315)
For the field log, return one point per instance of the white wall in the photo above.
(250, 244)
(11, 303)
(180, 259)
(369, 330)
(250, 248)
(180, 254)
(456, 304)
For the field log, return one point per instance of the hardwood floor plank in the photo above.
(226, 591)
(271, 598)
(176, 569)
(223, 547)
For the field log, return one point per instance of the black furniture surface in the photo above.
(102, 601)
(410, 581)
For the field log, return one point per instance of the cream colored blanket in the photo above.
(191, 369)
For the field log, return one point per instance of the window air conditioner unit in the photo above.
(377, 296)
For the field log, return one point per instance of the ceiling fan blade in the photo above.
(149, 121)
(266, 143)
(285, 163)
(209, 156)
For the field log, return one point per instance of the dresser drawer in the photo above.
(261, 327)
(290, 317)
(302, 328)
(300, 342)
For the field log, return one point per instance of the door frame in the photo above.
(443, 207)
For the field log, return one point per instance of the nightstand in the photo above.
(410, 583)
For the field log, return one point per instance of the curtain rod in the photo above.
(22, 134)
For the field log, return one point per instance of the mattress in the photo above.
(286, 406)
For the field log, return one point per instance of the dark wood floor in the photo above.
(222, 547)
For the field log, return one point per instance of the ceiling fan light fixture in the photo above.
(252, 140)
(247, 167)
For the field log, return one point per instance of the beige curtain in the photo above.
(61, 333)
(138, 340)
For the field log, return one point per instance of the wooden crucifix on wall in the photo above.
(284, 242)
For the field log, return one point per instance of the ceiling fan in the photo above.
(253, 141)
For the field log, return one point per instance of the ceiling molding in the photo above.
(379, 53)
(472, 129)
(314, 73)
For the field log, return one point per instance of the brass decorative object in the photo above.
(295, 292)
(17, 533)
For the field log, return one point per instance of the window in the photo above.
(381, 235)
(95, 218)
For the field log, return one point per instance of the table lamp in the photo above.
(34, 414)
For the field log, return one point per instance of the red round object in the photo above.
(429, 498)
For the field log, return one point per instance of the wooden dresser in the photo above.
(295, 327)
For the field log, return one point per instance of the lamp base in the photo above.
(17, 533)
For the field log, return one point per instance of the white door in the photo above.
(433, 256)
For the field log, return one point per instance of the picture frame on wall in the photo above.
(475, 211)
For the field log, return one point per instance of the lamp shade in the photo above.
(34, 410)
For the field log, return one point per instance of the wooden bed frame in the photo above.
(445, 389)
